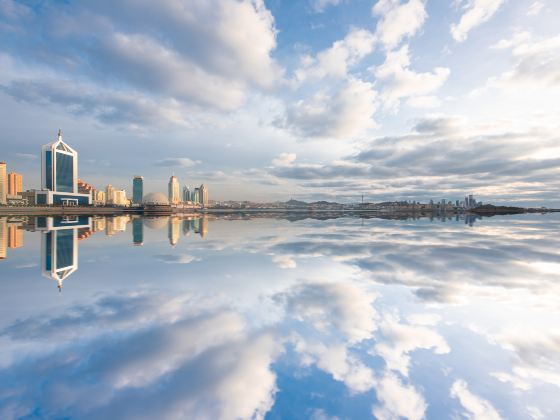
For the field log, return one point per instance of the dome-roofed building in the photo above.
(155, 198)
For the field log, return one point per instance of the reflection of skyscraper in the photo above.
(203, 226)
(3, 237)
(15, 236)
(186, 226)
(137, 231)
(137, 189)
(59, 245)
(174, 231)
(173, 190)
(99, 224)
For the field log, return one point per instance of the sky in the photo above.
(272, 100)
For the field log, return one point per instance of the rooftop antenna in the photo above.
(59, 134)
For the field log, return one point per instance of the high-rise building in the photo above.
(203, 195)
(3, 183)
(119, 198)
(3, 237)
(59, 175)
(196, 195)
(173, 190)
(137, 189)
(186, 194)
(109, 194)
(15, 236)
(15, 183)
(100, 198)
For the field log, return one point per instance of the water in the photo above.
(268, 317)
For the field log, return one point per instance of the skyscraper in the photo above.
(204, 195)
(15, 183)
(137, 189)
(109, 194)
(186, 194)
(3, 183)
(196, 195)
(173, 190)
(59, 175)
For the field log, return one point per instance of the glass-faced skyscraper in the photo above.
(59, 175)
(137, 189)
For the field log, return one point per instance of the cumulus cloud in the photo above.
(341, 115)
(537, 61)
(475, 407)
(535, 8)
(398, 20)
(182, 54)
(400, 81)
(336, 60)
(475, 13)
(180, 162)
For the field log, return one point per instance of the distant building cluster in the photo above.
(60, 185)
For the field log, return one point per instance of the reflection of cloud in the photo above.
(398, 400)
(343, 306)
(476, 408)
(177, 258)
(536, 358)
(401, 339)
(284, 261)
(180, 363)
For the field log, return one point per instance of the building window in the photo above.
(64, 173)
(48, 169)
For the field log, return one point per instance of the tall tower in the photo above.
(173, 190)
(109, 194)
(15, 183)
(137, 189)
(186, 194)
(3, 183)
(203, 195)
(59, 176)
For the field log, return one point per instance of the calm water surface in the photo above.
(235, 318)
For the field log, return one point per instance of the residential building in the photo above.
(3, 183)
(109, 194)
(119, 198)
(59, 175)
(15, 183)
(137, 189)
(173, 190)
(99, 198)
(203, 195)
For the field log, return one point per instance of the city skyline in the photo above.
(315, 99)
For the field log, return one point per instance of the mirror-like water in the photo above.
(129, 317)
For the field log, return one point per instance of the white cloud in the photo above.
(476, 407)
(284, 159)
(398, 20)
(537, 61)
(319, 6)
(400, 81)
(398, 400)
(182, 162)
(476, 13)
(535, 8)
(424, 102)
(344, 114)
(336, 60)
(284, 261)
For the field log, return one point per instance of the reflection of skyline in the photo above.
(11, 236)
(59, 245)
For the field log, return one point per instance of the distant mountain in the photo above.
(296, 203)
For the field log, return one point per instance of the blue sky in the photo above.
(317, 99)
